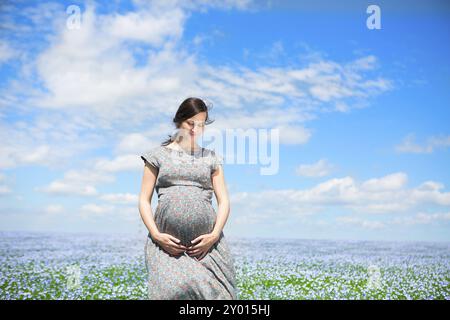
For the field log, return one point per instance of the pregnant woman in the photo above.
(186, 253)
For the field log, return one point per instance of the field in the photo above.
(100, 266)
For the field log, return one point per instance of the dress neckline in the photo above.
(184, 151)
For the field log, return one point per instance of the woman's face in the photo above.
(194, 126)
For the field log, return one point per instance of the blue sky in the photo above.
(363, 114)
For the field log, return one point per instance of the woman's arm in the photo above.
(223, 203)
(145, 198)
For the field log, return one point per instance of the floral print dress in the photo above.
(185, 211)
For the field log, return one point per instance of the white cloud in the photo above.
(148, 27)
(120, 198)
(4, 188)
(430, 186)
(365, 63)
(319, 169)
(54, 209)
(393, 181)
(385, 195)
(47, 140)
(107, 213)
(434, 142)
(294, 134)
(423, 218)
(77, 182)
(120, 163)
(363, 223)
(120, 68)
(137, 142)
(93, 210)
(420, 218)
(6, 52)
(117, 81)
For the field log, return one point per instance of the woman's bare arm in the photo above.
(223, 203)
(145, 198)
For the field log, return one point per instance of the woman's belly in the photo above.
(185, 219)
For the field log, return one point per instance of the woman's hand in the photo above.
(170, 244)
(205, 242)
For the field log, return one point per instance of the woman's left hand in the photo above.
(201, 248)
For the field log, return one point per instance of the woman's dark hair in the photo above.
(187, 109)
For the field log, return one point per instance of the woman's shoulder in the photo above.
(152, 155)
(214, 159)
(154, 150)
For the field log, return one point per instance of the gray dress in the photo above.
(185, 211)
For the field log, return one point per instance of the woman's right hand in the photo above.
(170, 244)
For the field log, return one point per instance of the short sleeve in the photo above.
(216, 162)
(151, 157)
